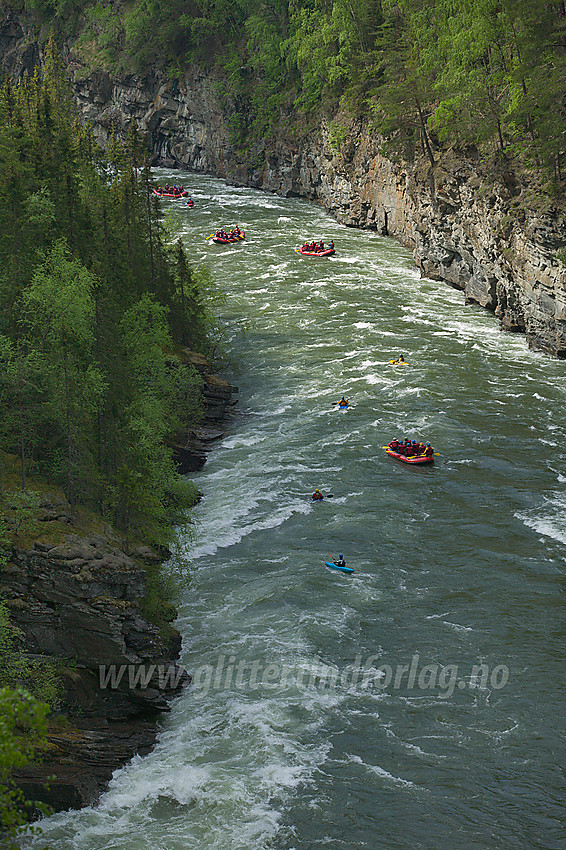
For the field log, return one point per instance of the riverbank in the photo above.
(101, 618)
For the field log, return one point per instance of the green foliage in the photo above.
(18, 670)
(28, 692)
(155, 606)
(21, 509)
(480, 72)
(23, 727)
(91, 297)
(483, 73)
(338, 135)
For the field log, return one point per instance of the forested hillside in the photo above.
(93, 305)
(483, 73)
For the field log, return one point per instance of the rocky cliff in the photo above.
(491, 235)
(76, 605)
(191, 449)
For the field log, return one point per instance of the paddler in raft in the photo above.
(410, 448)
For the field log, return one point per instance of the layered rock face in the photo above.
(76, 605)
(191, 449)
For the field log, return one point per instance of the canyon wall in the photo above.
(495, 238)
(491, 239)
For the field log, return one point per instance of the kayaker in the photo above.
(341, 561)
(401, 359)
(343, 402)
(317, 495)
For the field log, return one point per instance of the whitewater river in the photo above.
(415, 703)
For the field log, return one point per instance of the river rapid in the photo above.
(415, 703)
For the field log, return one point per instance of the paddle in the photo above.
(331, 558)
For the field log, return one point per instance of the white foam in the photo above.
(382, 773)
(225, 533)
(457, 627)
(242, 441)
(555, 529)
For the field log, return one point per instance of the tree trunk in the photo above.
(424, 133)
(21, 418)
(70, 490)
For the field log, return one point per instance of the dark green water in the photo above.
(341, 711)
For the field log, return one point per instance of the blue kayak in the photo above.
(336, 567)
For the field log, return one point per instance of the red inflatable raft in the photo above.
(328, 252)
(170, 194)
(221, 240)
(415, 459)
